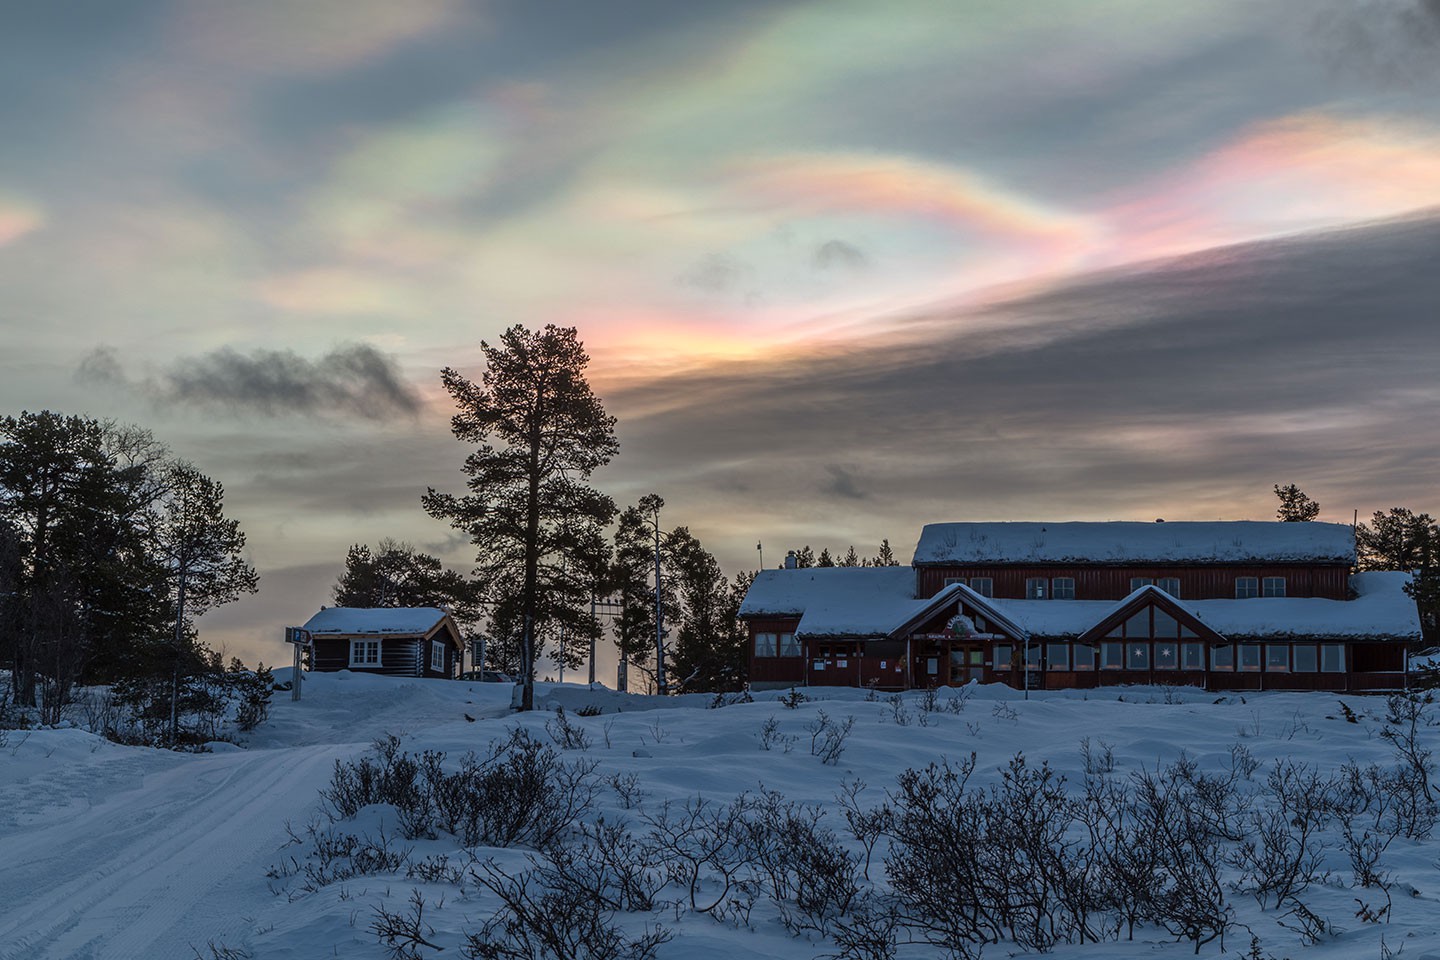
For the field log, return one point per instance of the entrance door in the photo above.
(967, 662)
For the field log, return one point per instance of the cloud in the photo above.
(837, 254)
(842, 483)
(351, 381)
(17, 218)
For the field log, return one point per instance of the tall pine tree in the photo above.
(539, 432)
(1295, 507)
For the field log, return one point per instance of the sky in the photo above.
(842, 267)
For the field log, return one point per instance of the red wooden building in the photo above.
(1236, 605)
(396, 641)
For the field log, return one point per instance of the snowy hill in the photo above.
(119, 852)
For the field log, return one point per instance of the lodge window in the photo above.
(1167, 656)
(1246, 588)
(1165, 625)
(1332, 658)
(1112, 656)
(1137, 582)
(1304, 658)
(1036, 588)
(1003, 653)
(765, 644)
(1192, 656)
(1084, 656)
(437, 656)
(1062, 588)
(1222, 657)
(1277, 658)
(1032, 656)
(1170, 585)
(1273, 587)
(1057, 656)
(1137, 656)
(985, 586)
(364, 653)
(789, 646)
(951, 581)
(1250, 656)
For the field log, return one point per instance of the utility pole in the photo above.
(652, 503)
(760, 550)
(594, 633)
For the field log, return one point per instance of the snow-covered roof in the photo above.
(1381, 609)
(392, 620)
(836, 601)
(1220, 541)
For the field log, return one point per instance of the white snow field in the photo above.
(119, 852)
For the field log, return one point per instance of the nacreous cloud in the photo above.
(353, 380)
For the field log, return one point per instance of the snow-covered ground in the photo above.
(119, 852)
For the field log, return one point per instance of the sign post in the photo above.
(299, 638)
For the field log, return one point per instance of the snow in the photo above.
(119, 852)
(1230, 541)
(402, 620)
(836, 601)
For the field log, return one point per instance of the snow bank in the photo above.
(347, 620)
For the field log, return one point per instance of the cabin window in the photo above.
(1272, 587)
(1137, 582)
(437, 656)
(364, 653)
(1084, 656)
(1170, 585)
(1332, 658)
(1003, 653)
(1137, 656)
(1057, 656)
(1277, 658)
(985, 586)
(1032, 656)
(1250, 656)
(1112, 656)
(951, 581)
(1246, 587)
(1036, 588)
(1222, 657)
(1063, 588)
(765, 644)
(1165, 625)
(1139, 624)
(1167, 656)
(1192, 656)
(789, 646)
(932, 666)
(1304, 658)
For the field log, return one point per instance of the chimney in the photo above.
(790, 560)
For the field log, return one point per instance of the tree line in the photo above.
(110, 546)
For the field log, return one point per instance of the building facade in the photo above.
(1226, 605)
(395, 641)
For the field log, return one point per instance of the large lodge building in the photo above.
(1236, 605)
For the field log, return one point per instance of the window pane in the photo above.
(1274, 586)
(1057, 655)
(1170, 585)
(1192, 656)
(1186, 631)
(1246, 587)
(950, 580)
(1249, 656)
(1167, 656)
(1137, 582)
(1063, 588)
(1112, 656)
(1277, 657)
(1222, 657)
(1084, 656)
(764, 644)
(985, 586)
(1032, 656)
(1035, 588)
(1139, 624)
(1332, 658)
(789, 646)
(1305, 660)
(1165, 625)
(1002, 656)
(1137, 656)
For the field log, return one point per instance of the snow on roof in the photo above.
(397, 620)
(1380, 609)
(1228, 541)
(836, 601)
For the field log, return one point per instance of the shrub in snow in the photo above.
(567, 735)
(827, 737)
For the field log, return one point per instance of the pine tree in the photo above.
(529, 504)
(709, 650)
(395, 574)
(1295, 507)
(634, 585)
(804, 557)
(851, 558)
(825, 560)
(1398, 540)
(886, 556)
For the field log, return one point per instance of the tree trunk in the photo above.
(175, 667)
(532, 568)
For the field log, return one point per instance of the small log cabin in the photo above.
(396, 641)
(1238, 605)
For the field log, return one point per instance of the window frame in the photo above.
(1313, 653)
(1273, 587)
(1054, 663)
(1108, 647)
(1228, 651)
(437, 651)
(1131, 648)
(1037, 588)
(369, 646)
(1272, 664)
(1082, 656)
(1137, 582)
(1165, 582)
(787, 645)
(1007, 662)
(1174, 645)
(985, 586)
(1338, 648)
(1062, 588)
(1243, 652)
(1247, 588)
(1187, 648)
(768, 651)
(951, 581)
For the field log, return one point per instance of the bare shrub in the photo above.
(404, 933)
(567, 735)
(827, 737)
(771, 737)
(867, 826)
(1281, 852)
(627, 788)
(1097, 762)
(701, 844)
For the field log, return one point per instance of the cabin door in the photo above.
(967, 662)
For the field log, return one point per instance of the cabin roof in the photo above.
(1115, 542)
(388, 621)
(835, 601)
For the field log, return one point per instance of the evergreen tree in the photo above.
(709, 650)
(395, 574)
(1294, 505)
(1398, 540)
(886, 556)
(529, 504)
(804, 557)
(851, 559)
(634, 585)
(1425, 591)
(825, 560)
